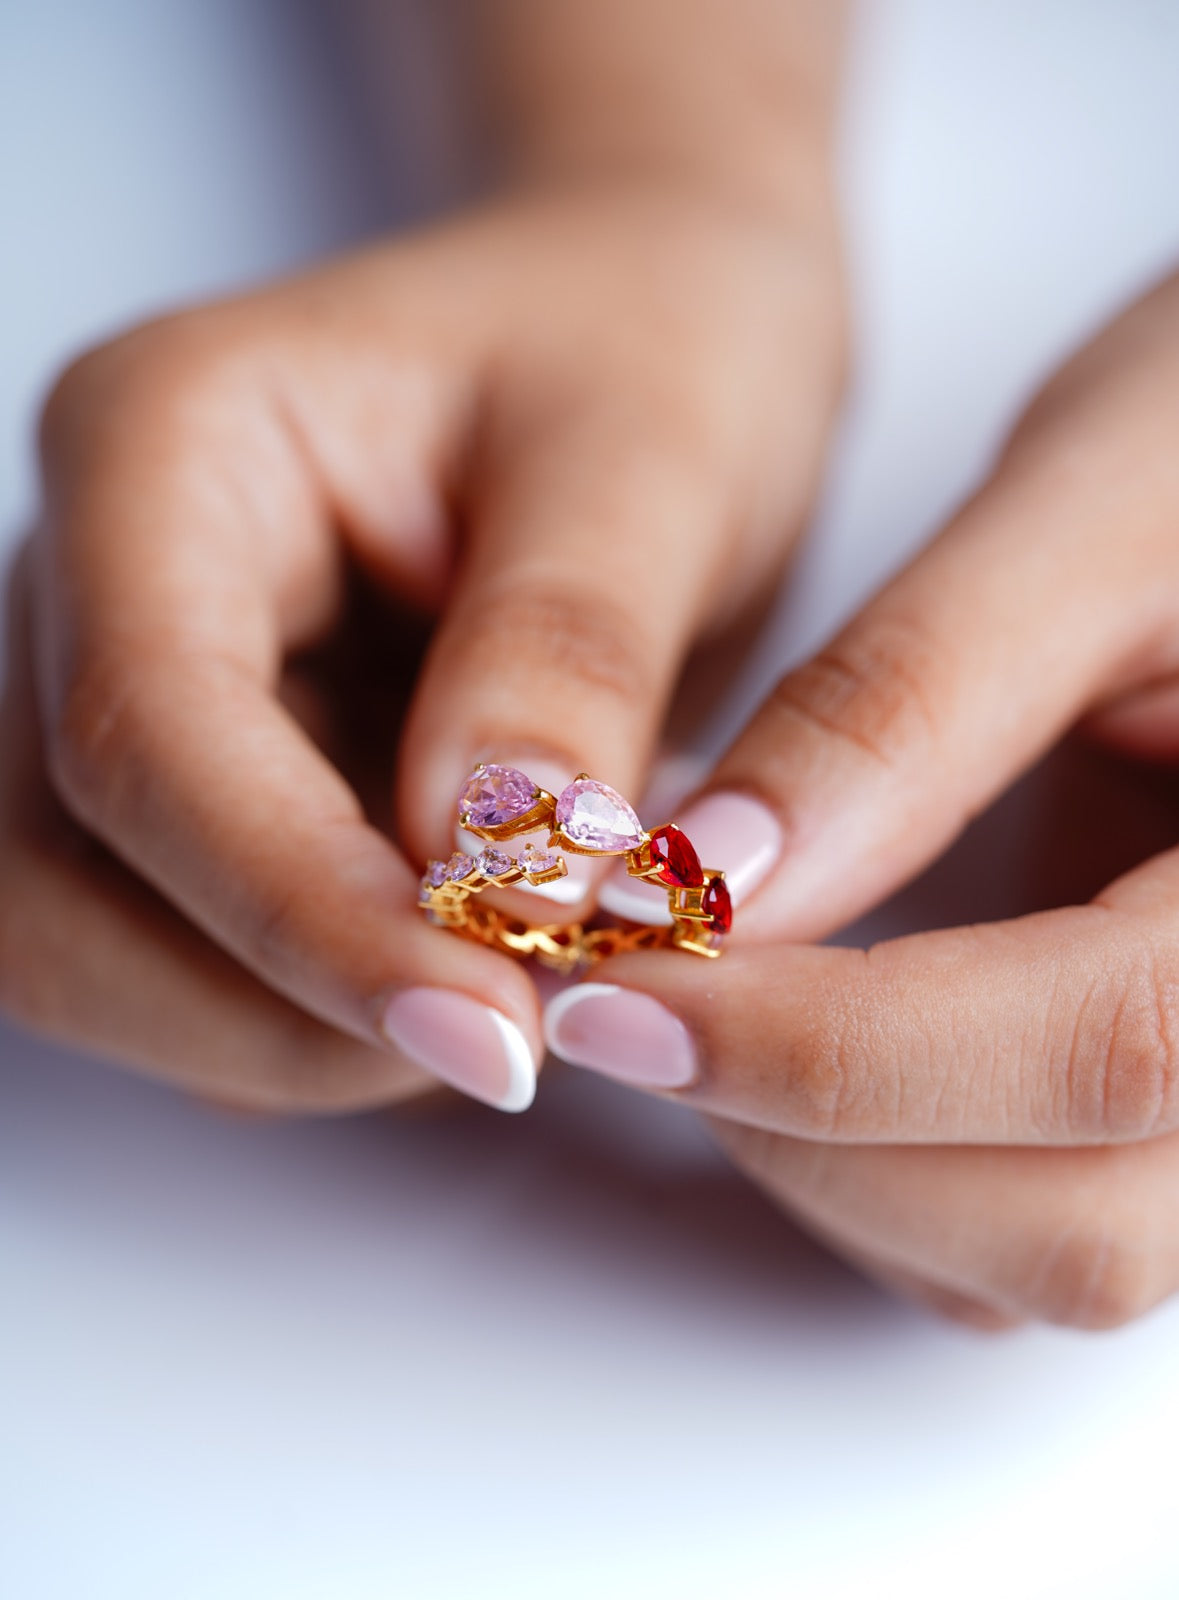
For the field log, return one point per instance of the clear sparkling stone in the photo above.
(596, 817)
(496, 795)
(494, 863)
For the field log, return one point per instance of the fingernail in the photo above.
(471, 1046)
(731, 832)
(583, 871)
(622, 1033)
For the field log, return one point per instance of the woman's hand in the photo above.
(577, 429)
(986, 1116)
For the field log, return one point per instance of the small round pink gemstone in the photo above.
(494, 863)
(537, 861)
(435, 874)
(495, 795)
(596, 817)
(458, 866)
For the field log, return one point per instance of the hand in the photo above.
(988, 1116)
(577, 431)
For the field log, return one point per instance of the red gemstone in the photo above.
(717, 904)
(677, 863)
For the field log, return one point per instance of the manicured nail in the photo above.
(622, 1033)
(469, 1045)
(731, 831)
(583, 871)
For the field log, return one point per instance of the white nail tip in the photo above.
(521, 1090)
(637, 902)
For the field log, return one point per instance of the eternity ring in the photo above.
(587, 818)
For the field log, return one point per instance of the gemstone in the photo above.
(493, 795)
(458, 866)
(435, 874)
(718, 905)
(677, 862)
(595, 817)
(494, 863)
(538, 861)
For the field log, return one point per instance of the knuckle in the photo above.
(1122, 1071)
(871, 688)
(831, 1096)
(818, 1090)
(1094, 1275)
(151, 371)
(589, 641)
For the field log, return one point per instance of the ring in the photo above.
(587, 818)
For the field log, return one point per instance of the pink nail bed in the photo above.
(730, 830)
(471, 1046)
(621, 1033)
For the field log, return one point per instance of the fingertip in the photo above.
(621, 1033)
(470, 1045)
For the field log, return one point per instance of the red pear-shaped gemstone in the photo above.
(718, 905)
(677, 862)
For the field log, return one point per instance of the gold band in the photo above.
(587, 818)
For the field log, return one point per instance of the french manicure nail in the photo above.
(469, 1045)
(622, 1033)
(730, 831)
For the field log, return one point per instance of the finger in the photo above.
(91, 957)
(1052, 1029)
(793, 1172)
(1084, 1238)
(162, 611)
(966, 1309)
(1052, 590)
(591, 554)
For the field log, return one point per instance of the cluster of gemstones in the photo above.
(586, 818)
(490, 866)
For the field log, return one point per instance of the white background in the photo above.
(566, 1354)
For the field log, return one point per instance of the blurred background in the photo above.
(569, 1354)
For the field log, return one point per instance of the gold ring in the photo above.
(588, 818)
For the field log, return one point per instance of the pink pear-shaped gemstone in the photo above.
(596, 817)
(493, 795)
